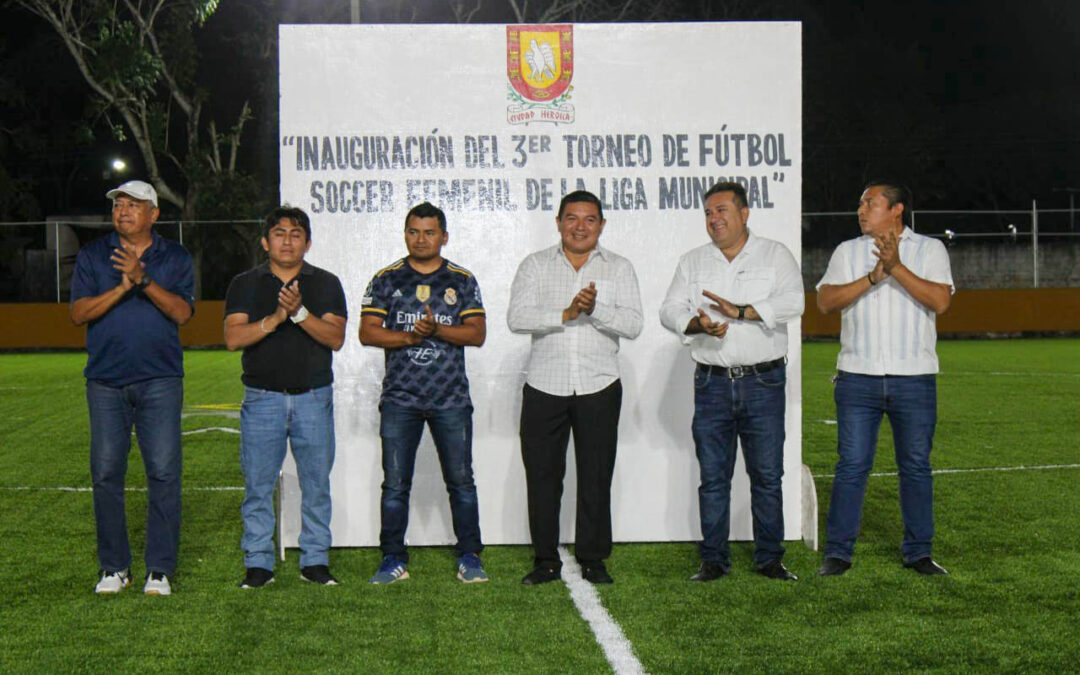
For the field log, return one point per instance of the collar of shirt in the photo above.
(746, 251)
(264, 269)
(557, 253)
(155, 247)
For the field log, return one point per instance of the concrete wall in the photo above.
(986, 311)
(48, 325)
(987, 265)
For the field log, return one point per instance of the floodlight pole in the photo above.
(56, 238)
(1035, 242)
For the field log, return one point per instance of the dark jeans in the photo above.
(546, 424)
(911, 404)
(401, 428)
(749, 408)
(152, 407)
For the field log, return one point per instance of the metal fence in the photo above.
(37, 258)
(1029, 248)
(989, 249)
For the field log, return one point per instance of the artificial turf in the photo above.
(1011, 539)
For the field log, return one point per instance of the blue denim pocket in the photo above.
(701, 377)
(775, 378)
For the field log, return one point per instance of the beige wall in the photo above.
(45, 325)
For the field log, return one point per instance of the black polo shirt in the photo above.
(288, 358)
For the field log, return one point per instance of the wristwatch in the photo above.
(146, 281)
(742, 311)
(301, 314)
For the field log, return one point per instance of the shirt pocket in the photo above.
(753, 284)
(605, 290)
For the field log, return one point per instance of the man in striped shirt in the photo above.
(889, 285)
(576, 300)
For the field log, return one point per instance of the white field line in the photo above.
(609, 636)
(983, 469)
(203, 430)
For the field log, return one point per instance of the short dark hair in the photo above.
(728, 186)
(897, 193)
(291, 213)
(581, 196)
(427, 210)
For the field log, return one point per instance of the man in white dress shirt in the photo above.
(889, 285)
(576, 300)
(730, 301)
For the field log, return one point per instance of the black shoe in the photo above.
(774, 569)
(833, 567)
(926, 566)
(709, 572)
(319, 574)
(596, 573)
(257, 577)
(541, 575)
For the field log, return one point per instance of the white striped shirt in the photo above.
(580, 356)
(886, 331)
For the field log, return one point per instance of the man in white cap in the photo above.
(134, 289)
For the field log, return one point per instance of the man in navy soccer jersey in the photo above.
(424, 310)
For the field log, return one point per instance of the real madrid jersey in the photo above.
(430, 375)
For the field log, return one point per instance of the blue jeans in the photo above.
(752, 409)
(911, 404)
(267, 419)
(153, 408)
(451, 430)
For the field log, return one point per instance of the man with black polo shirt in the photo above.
(423, 310)
(134, 288)
(289, 317)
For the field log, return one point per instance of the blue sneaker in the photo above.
(470, 570)
(392, 569)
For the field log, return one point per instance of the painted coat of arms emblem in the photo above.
(540, 66)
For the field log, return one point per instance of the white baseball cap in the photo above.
(137, 189)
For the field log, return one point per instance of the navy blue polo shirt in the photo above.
(134, 341)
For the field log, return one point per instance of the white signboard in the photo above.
(494, 124)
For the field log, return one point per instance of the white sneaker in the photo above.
(112, 582)
(157, 584)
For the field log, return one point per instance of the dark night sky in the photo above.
(975, 103)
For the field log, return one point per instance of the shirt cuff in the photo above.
(684, 321)
(765, 310)
(603, 314)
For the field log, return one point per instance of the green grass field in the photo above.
(1010, 538)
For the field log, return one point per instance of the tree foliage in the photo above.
(140, 59)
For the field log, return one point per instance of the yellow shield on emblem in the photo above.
(423, 292)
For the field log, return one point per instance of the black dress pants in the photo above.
(546, 424)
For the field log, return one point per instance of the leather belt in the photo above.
(736, 372)
(291, 391)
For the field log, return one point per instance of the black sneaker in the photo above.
(319, 574)
(257, 577)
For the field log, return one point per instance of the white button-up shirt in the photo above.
(886, 331)
(580, 356)
(763, 274)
